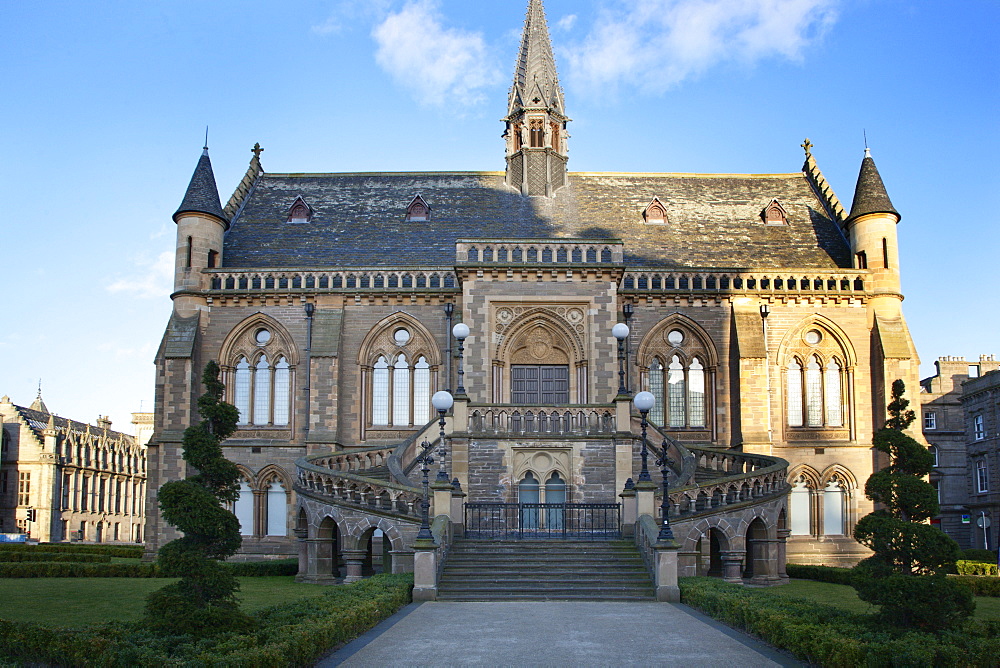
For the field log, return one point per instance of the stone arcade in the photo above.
(764, 318)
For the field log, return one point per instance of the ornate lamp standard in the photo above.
(644, 402)
(442, 402)
(666, 533)
(620, 332)
(425, 505)
(460, 332)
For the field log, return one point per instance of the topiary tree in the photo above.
(204, 601)
(906, 574)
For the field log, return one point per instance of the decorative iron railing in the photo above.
(507, 419)
(513, 521)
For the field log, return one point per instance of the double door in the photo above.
(546, 384)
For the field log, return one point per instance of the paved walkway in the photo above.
(553, 634)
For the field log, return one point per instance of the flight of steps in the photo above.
(544, 570)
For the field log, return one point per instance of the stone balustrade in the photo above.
(509, 419)
(318, 480)
(317, 280)
(811, 281)
(539, 251)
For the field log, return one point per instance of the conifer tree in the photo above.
(204, 601)
(906, 575)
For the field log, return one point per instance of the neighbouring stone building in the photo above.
(946, 427)
(82, 482)
(981, 403)
(765, 318)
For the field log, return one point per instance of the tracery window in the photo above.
(676, 377)
(260, 376)
(815, 378)
(400, 378)
(821, 507)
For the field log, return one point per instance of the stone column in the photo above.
(623, 442)
(457, 508)
(630, 510)
(645, 493)
(665, 572)
(425, 570)
(731, 562)
(441, 503)
(765, 566)
(355, 564)
(782, 554)
(300, 542)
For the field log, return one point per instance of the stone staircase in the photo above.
(544, 570)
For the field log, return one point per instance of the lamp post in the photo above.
(628, 310)
(620, 332)
(460, 332)
(442, 402)
(449, 310)
(666, 533)
(425, 504)
(644, 402)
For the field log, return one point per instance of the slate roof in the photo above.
(202, 194)
(39, 422)
(869, 194)
(359, 219)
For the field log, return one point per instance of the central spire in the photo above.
(536, 121)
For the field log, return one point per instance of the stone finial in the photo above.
(807, 145)
(256, 150)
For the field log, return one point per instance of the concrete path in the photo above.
(553, 633)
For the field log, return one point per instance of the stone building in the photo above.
(981, 403)
(81, 482)
(765, 318)
(946, 428)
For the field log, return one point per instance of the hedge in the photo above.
(288, 635)
(77, 569)
(126, 551)
(981, 586)
(827, 636)
(841, 576)
(34, 555)
(976, 568)
(979, 554)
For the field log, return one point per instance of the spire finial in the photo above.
(807, 145)
(39, 388)
(257, 150)
(868, 152)
(205, 147)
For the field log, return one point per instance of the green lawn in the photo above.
(845, 597)
(77, 602)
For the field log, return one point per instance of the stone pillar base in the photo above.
(317, 579)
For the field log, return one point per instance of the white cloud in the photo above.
(436, 63)
(656, 44)
(153, 278)
(567, 22)
(347, 12)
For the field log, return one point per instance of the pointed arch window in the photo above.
(675, 392)
(242, 391)
(799, 501)
(243, 508)
(400, 380)
(261, 392)
(277, 509)
(259, 376)
(401, 392)
(380, 392)
(833, 509)
(421, 391)
(679, 380)
(656, 388)
(814, 383)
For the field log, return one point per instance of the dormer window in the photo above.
(655, 213)
(300, 212)
(418, 211)
(774, 214)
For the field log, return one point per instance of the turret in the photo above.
(201, 224)
(536, 122)
(871, 228)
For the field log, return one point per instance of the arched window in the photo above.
(814, 383)
(243, 509)
(260, 375)
(833, 509)
(277, 509)
(656, 388)
(798, 508)
(678, 379)
(400, 378)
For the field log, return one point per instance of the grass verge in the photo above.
(292, 634)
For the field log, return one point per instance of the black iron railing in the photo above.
(513, 521)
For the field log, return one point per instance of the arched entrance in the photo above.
(756, 559)
(378, 552)
(327, 549)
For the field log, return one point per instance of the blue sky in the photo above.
(106, 103)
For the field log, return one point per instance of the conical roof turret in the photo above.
(536, 82)
(202, 194)
(870, 195)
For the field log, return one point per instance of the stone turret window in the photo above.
(537, 134)
(655, 213)
(418, 211)
(300, 212)
(774, 213)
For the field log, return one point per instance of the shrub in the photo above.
(978, 554)
(288, 635)
(36, 556)
(824, 635)
(979, 586)
(841, 576)
(263, 568)
(975, 568)
(49, 569)
(906, 575)
(124, 551)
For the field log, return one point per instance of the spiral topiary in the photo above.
(906, 575)
(204, 601)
